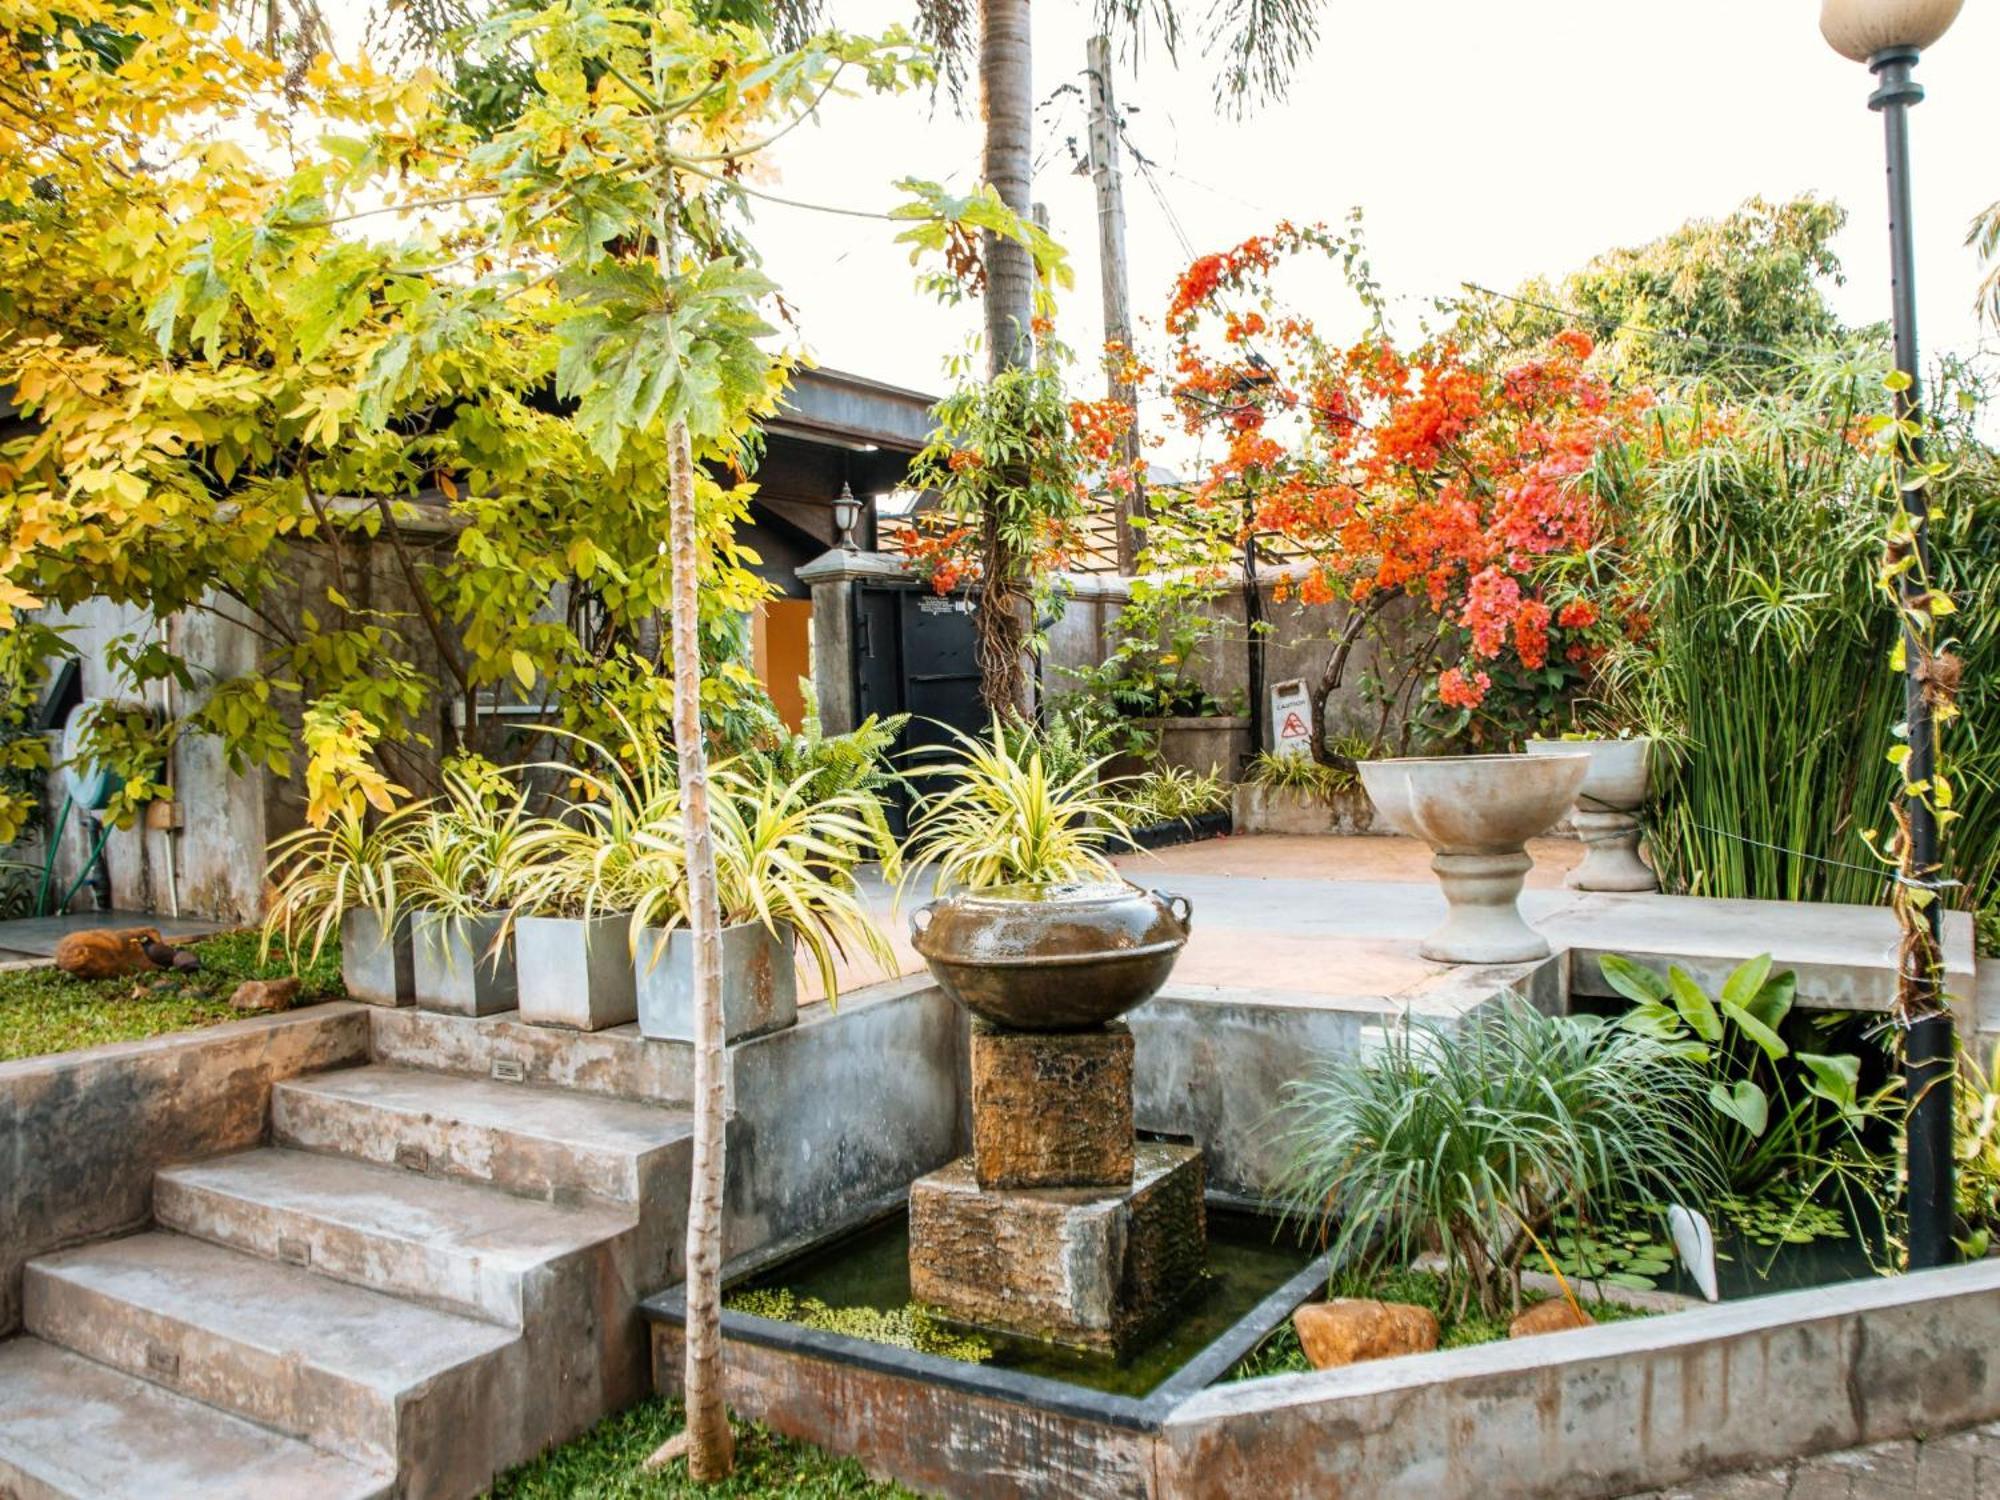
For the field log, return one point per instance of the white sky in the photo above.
(1485, 142)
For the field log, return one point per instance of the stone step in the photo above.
(617, 1062)
(385, 1382)
(538, 1142)
(73, 1429)
(455, 1244)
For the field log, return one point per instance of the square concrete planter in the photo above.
(459, 969)
(576, 972)
(760, 989)
(376, 971)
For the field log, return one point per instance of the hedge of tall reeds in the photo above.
(1756, 533)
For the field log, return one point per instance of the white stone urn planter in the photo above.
(576, 972)
(1477, 812)
(760, 988)
(1607, 812)
(376, 971)
(463, 966)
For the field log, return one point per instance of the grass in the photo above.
(42, 1011)
(604, 1464)
(1280, 1353)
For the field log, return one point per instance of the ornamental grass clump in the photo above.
(1472, 1142)
(1000, 817)
(1174, 794)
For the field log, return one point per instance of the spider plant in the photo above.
(319, 874)
(1001, 818)
(785, 859)
(585, 860)
(1302, 774)
(1474, 1141)
(456, 856)
(1174, 793)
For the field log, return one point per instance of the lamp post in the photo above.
(1888, 35)
(846, 511)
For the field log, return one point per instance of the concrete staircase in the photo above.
(429, 1274)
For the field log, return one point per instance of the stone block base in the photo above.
(1052, 1109)
(1094, 1269)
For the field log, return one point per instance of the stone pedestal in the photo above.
(1052, 1109)
(1091, 1268)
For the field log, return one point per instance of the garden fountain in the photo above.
(1059, 1225)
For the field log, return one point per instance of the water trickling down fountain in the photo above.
(1060, 1225)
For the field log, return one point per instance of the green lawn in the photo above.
(604, 1463)
(42, 1011)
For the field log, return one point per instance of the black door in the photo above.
(914, 653)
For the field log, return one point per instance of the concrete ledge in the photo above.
(1612, 1409)
(1283, 809)
(81, 1133)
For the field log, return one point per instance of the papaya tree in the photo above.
(550, 333)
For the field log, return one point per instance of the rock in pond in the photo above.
(1347, 1330)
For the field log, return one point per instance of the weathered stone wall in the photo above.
(82, 1133)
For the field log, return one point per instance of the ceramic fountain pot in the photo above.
(1477, 812)
(1052, 957)
(1607, 812)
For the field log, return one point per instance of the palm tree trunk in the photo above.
(1007, 104)
(711, 1449)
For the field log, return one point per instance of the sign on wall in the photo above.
(1291, 720)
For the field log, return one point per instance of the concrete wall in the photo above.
(1608, 1410)
(1085, 631)
(842, 1109)
(82, 1133)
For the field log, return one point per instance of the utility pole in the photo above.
(1117, 300)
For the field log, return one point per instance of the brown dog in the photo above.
(102, 954)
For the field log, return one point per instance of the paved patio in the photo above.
(1334, 923)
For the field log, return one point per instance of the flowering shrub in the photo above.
(1413, 473)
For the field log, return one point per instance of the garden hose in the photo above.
(96, 853)
(49, 863)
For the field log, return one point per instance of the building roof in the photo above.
(852, 411)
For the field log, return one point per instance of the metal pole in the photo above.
(1111, 273)
(1928, 1050)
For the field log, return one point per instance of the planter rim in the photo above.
(1595, 739)
(1464, 760)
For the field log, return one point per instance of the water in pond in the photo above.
(1247, 1261)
